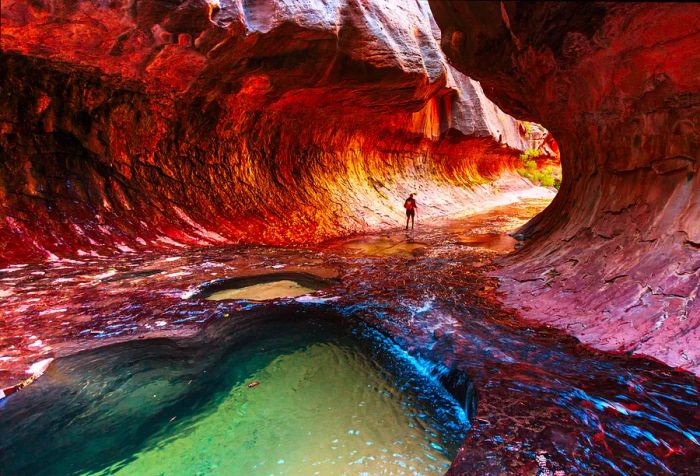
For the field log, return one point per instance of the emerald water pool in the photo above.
(329, 397)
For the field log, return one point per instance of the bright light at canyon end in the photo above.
(349, 237)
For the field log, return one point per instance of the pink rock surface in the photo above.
(615, 260)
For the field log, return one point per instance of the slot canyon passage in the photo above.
(203, 261)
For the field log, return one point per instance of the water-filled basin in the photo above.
(283, 393)
(263, 287)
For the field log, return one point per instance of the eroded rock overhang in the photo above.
(615, 259)
(141, 125)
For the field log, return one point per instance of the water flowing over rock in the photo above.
(141, 125)
(150, 150)
(615, 259)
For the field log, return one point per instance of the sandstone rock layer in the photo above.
(138, 125)
(615, 260)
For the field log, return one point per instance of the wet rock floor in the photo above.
(537, 388)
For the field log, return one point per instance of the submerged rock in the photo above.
(263, 287)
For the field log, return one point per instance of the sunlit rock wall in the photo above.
(139, 125)
(615, 259)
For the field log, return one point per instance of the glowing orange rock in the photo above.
(151, 125)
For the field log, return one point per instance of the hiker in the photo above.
(410, 206)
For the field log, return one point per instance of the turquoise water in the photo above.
(328, 399)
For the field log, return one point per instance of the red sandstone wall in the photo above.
(615, 259)
(133, 126)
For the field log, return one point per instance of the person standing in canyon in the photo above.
(411, 207)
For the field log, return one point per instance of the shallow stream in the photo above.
(537, 388)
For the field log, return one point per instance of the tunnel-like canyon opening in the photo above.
(148, 147)
(204, 125)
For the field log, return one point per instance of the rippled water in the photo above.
(538, 389)
(288, 395)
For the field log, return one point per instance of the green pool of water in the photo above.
(330, 400)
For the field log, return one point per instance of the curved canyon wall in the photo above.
(615, 259)
(139, 125)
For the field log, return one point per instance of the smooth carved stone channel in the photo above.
(264, 287)
(286, 392)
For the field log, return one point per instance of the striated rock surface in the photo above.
(615, 260)
(139, 125)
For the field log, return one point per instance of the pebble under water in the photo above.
(285, 394)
